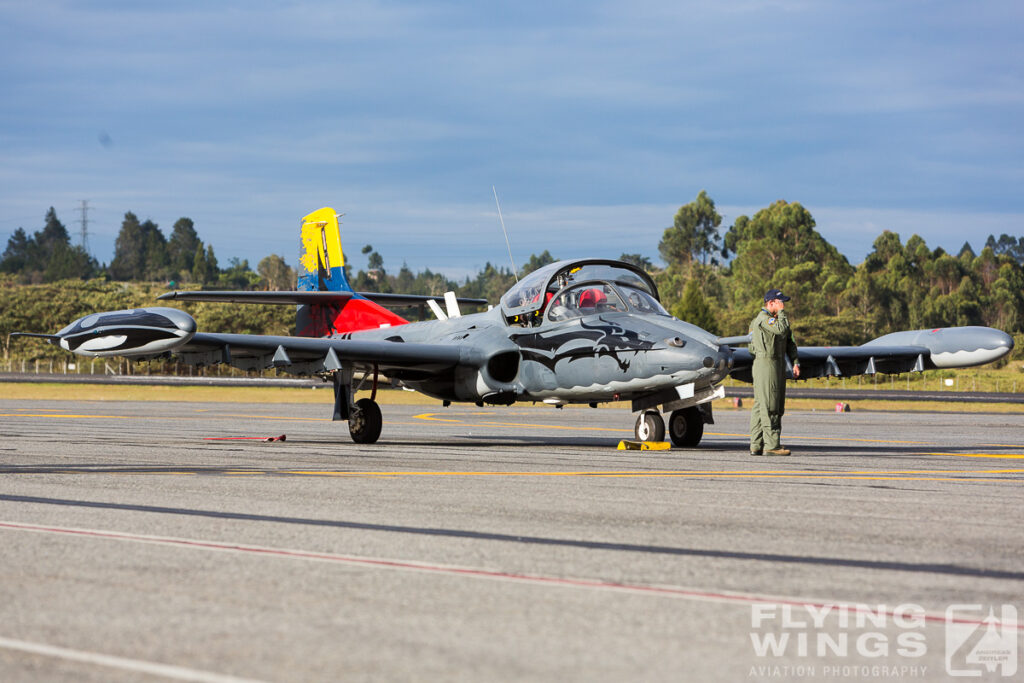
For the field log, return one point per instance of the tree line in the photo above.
(142, 253)
(718, 280)
(712, 277)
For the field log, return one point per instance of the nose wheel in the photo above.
(650, 426)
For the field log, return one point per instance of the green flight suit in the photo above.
(772, 341)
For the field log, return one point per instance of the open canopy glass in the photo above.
(531, 293)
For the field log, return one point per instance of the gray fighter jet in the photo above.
(584, 331)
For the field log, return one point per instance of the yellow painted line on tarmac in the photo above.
(275, 417)
(787, 475)
(110, 472)
(531, 425)
(431, 417)
(843, 438)
(68, 415)
(442, 473)
(913, 475)
(565, 427)
(73, 416)
(801, 437)
(1007, 456)
(960, 476)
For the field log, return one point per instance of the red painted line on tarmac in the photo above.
(407, 565)
(245, 438)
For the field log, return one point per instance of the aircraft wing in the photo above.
(148, 333)
(305, 355)
(842, 361)
(910, 351)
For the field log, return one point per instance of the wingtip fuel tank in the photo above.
(132, 332)
(954, 347)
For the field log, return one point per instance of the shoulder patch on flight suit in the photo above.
(771, 321)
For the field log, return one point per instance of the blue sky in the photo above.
(595, 121)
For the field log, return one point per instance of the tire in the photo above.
(365, 421)
(686, 427)
(650, 426)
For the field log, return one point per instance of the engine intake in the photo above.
(504, 366)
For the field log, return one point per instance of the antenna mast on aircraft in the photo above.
(514, 271)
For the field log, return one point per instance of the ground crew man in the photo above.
(771, 343)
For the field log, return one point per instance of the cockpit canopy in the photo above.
(525, 301)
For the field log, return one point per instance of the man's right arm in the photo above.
(777, 324)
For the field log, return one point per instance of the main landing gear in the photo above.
(364, 418)
(365, 421)
(685, 427)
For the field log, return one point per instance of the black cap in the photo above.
(775, 294)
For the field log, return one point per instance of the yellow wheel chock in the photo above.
(643, 446)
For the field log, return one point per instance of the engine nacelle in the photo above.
(133, 332)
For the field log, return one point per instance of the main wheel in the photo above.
(650, 426)
(686, 427)
(365, 421)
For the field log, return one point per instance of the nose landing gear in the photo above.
(650, 426)
(685, 427)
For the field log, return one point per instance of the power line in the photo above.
(84, 221)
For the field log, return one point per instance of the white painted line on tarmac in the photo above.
(178, 673)
(677, 592)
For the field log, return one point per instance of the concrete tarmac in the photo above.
(140, 542)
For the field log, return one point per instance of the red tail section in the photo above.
(322, 268)
(350, 316)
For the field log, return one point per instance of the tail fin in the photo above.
(321, 261)
(322, 269)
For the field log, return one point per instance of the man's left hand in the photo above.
(796, 371)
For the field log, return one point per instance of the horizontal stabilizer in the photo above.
(243, 297)
(312, 297)
(47, 337)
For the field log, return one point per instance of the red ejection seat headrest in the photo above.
(591, 298)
